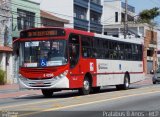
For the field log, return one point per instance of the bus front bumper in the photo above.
(54, 83)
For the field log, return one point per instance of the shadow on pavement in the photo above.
(68, 94)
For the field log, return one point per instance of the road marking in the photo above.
(57, 105)
(32, 103)
(83, 104)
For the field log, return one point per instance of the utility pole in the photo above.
(126, 20)
(89, 15)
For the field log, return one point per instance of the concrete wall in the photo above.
(6, 63)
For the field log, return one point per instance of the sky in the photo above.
(145, 4)
(138, 4)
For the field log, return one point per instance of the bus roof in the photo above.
(135, 40)
(79, 32)
(71, 30)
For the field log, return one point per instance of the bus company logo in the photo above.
(103, 66)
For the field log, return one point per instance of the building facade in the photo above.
(114, 12)
(82, 14)
(150, 49)
(6, 60)
(26, 14)
(49, 20)
(158, 44)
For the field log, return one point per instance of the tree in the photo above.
(147, 16)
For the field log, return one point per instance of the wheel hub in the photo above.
(86, 85)
(127, 82)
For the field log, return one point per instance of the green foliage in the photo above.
(2, 77)
(147, 15)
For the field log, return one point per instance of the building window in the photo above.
(95, 17)
(25, 19)
(116, 16)
(96, 1)
(80, 13)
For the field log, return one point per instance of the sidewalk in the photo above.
(8, 91)
(9, 88)
(147, 80)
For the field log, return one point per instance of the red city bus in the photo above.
(54, 59)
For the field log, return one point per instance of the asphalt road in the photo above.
(139, 101)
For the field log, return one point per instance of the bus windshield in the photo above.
(43, 53)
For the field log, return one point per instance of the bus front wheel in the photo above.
(47, 93)
(85, 90)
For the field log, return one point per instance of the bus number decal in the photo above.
(91, 66)
(49, 75)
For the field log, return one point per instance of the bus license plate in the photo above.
(39, 84)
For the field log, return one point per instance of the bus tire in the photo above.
(154, 82)
(125, 85)
(85, 90)
(48, 93)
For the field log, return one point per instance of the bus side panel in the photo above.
(78, 73)
(75, 81)
(89, 66)
(106, 74)
(111, 72)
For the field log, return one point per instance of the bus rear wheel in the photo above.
(154, 82)
(85, 90)
(48, 93)
(125, 85)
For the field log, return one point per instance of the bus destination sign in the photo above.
(42, 33)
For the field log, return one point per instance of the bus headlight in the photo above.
(61, 75)
(65, 73)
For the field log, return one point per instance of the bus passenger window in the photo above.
(86, 46)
